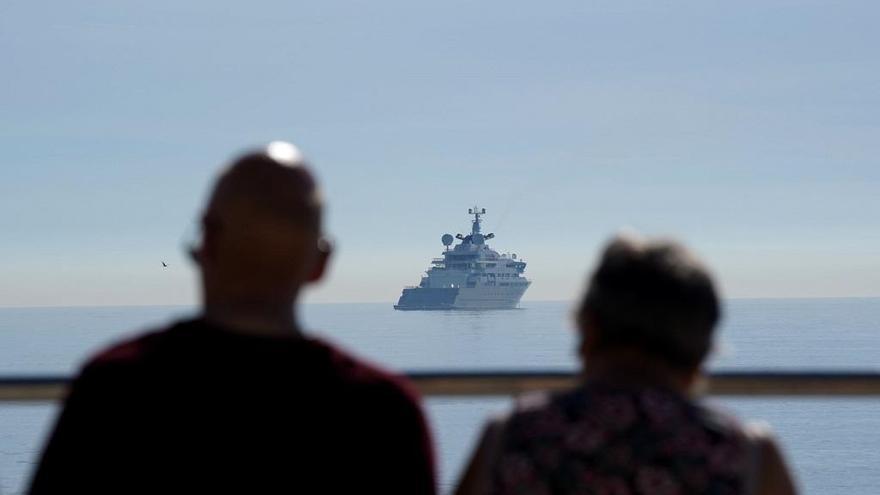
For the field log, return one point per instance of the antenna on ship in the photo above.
(476, 212)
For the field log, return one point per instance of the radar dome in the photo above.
(447, 239)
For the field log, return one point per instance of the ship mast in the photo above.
(476, 212)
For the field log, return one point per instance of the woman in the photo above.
(646, 324)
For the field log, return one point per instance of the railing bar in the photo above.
(507, 383)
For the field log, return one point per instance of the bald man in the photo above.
(239, 399)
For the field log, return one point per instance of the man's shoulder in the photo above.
(328, 364)
(360, 374)
(134, 350)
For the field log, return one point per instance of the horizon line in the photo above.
(390, 303)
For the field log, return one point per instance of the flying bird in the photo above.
(164, 264)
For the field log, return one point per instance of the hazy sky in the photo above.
(751, 130)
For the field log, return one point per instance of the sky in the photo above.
(750, 130)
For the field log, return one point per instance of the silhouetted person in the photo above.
(646, 324)
(240, 399)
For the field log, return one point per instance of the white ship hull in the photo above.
(489, 297)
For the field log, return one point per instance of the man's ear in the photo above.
(203, 250)
(325, 250)
(195, 254)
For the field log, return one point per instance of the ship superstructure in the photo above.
(470, 275)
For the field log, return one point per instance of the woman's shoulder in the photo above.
(602, 415)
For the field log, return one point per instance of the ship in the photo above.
(469, 275)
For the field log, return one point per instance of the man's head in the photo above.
(262, 229)
(652, 297)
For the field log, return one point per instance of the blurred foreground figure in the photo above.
(239, 399)
(646, 324)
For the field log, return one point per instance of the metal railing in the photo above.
(507, 383)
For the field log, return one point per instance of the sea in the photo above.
(832, 444)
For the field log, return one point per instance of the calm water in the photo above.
(833, 444)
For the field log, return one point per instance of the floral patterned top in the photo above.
(603, 440)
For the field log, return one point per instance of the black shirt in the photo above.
(197, 409)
